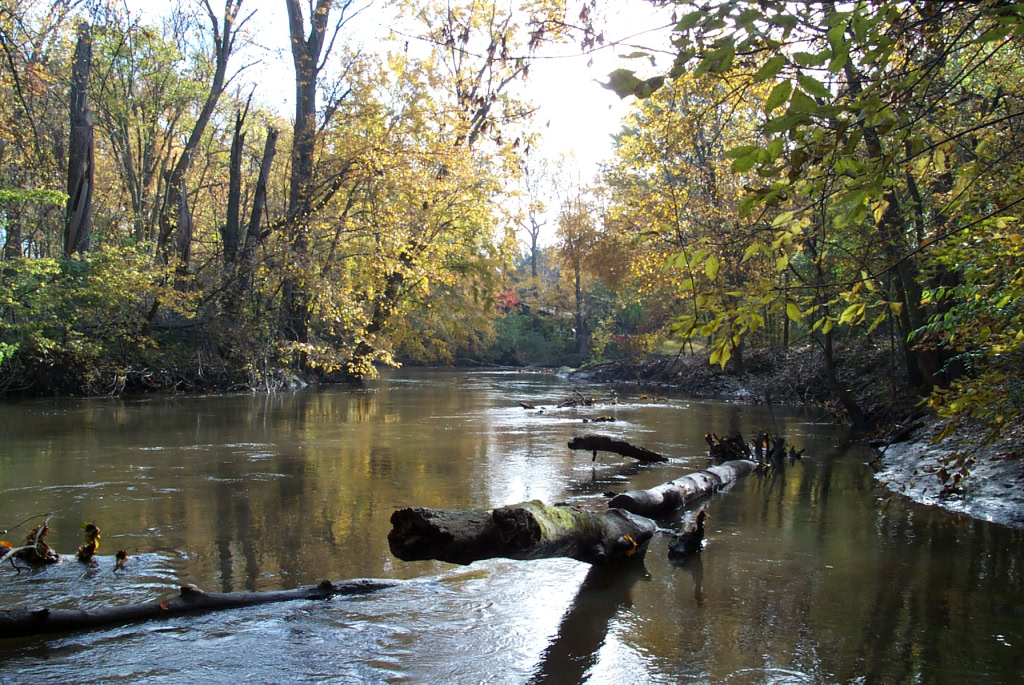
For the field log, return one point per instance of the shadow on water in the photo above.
(574, 650)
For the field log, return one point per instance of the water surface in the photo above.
(808, 576)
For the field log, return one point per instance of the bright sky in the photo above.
(576, 114)
(584, 115)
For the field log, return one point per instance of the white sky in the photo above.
(576, 113)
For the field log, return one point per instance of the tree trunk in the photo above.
(608, 444)
(667, 497)
(530, 530)
(231, 233)
(306, 61)
(580, 318)
(78, 213)
(25, 622)
(839, 391)
(171, 211)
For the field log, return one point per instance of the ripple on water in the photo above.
(70, 584)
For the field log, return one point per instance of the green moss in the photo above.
(553, 519)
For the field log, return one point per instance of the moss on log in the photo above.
(530, 530)
(667, 497)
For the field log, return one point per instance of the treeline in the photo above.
(162, 229)
(825, 173)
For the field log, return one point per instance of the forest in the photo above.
(839, 178)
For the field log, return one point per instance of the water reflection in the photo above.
(805, 578)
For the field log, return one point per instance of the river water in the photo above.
(809, 575)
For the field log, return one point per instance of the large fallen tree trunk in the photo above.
(530, 530)
(26, 621)
(608, 444)
(669, 496)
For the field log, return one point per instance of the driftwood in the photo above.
(530, 530)
(609, 444)
(667, 497)
(577, 399)
(727, 448)
(27, 621)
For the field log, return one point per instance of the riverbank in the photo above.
(991, 490)
(795, 375)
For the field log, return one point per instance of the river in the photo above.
(810, 575)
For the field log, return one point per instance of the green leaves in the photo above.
(717, 61)
(770, 68)
(624, 83)
(813, 86)
(711, 267)
(689, 21)
(12, 196)
(780, 94)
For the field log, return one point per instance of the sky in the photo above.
(576, 114)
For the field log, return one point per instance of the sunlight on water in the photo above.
(806, 578)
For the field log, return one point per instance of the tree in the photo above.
(676, 199)
(33, 61)
(887, 149)
(142, 98)
(535, 178)
(309, 56)
(80, 155)
(577, 236)
(175, 216)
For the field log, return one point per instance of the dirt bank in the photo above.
(791, 376)
(994, 490)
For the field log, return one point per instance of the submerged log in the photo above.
(530, 530)
(29, 621)
(609, 444)
(667, 497)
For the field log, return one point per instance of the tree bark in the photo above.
(78, 213)
(530, 530)
(26, 621)
(609, 444)
(667, 497)
(306, 54)
(231, 232)
(171, 211)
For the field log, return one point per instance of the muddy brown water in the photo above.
(807, 576)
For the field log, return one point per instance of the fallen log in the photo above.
(608, 444)
(667, 497)
(529, 530)
(24, 622)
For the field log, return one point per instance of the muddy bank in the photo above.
(791, 376)
(993, 490)
(926, 472)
